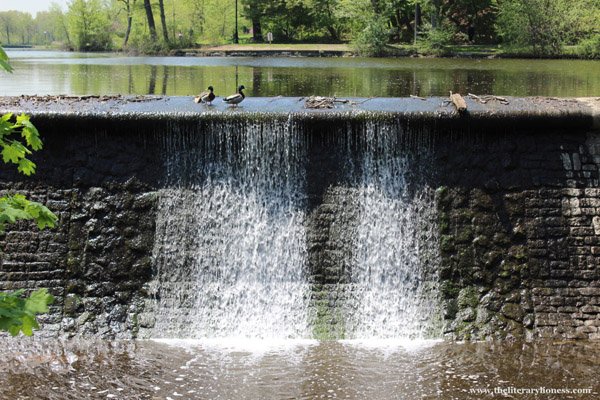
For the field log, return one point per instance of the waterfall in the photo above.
(231, 251)
(229, 245)
(394, 261)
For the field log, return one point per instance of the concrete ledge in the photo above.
(594, 104)
(543, 111)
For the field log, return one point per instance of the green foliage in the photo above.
(145, 45)
(541, 27)
(536, 23)
(288, 19)
(13, 149)
(372, 40)
(4, 61)
(16, 207)
(18, 138)
(16, 27)
(437, 40)
(18, 314)
(89, 26)
(590, 48)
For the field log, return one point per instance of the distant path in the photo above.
(258, 50)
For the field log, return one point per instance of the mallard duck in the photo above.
(237, 98)
(205, 97)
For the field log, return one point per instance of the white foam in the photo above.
(240, 344)
(392, 345)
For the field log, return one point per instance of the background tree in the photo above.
(288, 19)
(540, 26)
(16, 27)
(255, 11)
(128, 7)
(150, 18)
(324, 14)
(536, 23)
(480, 14)
(7, 23)
(89, 25)
(60, 27)
(163, 20)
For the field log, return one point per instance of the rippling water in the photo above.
(294, 369)
(53, 72)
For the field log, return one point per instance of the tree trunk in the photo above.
(437, 12)
(66, 32)
(333, 33)
(150, 17)
(128, 31)
(129, 22)
(163, 20)
(257, 35)
(375, 4)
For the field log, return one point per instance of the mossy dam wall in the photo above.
(378, 218)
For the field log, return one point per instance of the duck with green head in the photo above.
(237, 98)
(205, 97)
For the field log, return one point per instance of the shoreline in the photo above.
(351, 53)
(325, 51)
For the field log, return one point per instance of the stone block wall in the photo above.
(97, 259)
(518, 205)
(520, 236)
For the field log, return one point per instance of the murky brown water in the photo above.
(308, 370)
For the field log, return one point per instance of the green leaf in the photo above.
(4, 61)
(26, 167)
(13, 150)
(5, 66)
(41, 214)
(46, 220)
(28, 325)
(12, 154)
(11, 211)
(12, 215)
(17, 207)
(29, 132)
(18, 314)
(38, 301)
(14, 329)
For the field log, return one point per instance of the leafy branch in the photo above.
(4, 61)
(18, 139)
(17, 314)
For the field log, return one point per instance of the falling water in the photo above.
(231, 250)
(394, 262)
(229, 245)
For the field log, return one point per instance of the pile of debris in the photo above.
(486, 98)
(319, 102)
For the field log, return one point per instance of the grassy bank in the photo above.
(392, 50)
(481, 51)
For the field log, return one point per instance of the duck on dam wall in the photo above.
(378, 218)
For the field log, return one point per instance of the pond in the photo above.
(298, 370)
(53, 72)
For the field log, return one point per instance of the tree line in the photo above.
(542, 26)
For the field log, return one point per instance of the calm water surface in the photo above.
(294, 370)
(51, 72)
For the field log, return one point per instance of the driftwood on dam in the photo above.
(459, 102)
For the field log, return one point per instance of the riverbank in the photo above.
(347, 50)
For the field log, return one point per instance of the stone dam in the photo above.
(379, 218)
